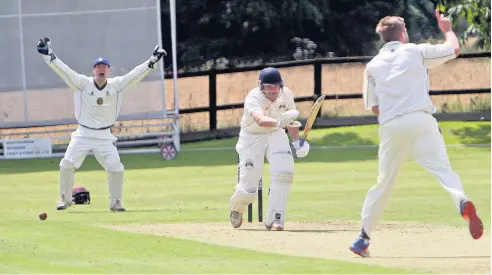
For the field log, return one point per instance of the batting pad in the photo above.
(282, 176)
(115, 182)
(277, 204)
(240, 199)
(67, 179)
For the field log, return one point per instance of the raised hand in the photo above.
(156, 56)
(443, 22)
(44, 46)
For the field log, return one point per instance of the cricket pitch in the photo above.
(421, 247)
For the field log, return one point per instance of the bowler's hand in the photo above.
(301, 151)
(443, 22)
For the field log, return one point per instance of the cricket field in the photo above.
(178, 220)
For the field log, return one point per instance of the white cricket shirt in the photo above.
(97, 108)
(255, 100)
(396, 80)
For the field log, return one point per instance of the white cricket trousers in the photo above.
(414, 135)
(252, 150)
(101, 143)
(104, 151)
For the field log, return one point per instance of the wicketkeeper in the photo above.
(268, 110)
(97, 105)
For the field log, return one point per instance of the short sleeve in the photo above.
(252, 103)
(291, 104)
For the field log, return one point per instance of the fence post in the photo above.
(317, 83)
(212, 100)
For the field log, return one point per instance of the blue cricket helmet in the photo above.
(271, 76)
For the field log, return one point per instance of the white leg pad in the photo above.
(115, 182)
(279, 195)
(240, 199)
(281, 178)
(67, 180)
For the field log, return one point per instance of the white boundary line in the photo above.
(77, 12)
(330, 147)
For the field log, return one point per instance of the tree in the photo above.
(476, 14)
(235, 33)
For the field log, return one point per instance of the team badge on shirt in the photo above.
(249, 164)
(282, 106)
(99, 101)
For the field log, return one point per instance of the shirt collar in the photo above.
(390, 46)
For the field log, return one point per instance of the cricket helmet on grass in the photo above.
(80, 195)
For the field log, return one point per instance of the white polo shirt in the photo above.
(397, 81)
(97, 108)
(256, 100)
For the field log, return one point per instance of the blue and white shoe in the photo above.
(361, 245)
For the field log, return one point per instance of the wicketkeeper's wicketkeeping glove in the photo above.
(44, 47)
(301, 151)
(156, 56)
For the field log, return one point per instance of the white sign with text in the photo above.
(27, 148)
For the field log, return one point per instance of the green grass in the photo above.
(62, 247)
(329, 185)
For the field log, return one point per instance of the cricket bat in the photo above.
(311, 118)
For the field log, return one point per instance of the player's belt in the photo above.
(103, 128)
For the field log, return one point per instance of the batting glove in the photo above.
(301, 151)
(287, 118)
(156, 56)
(44, 47)
(295, 124)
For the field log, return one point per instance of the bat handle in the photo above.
(301, 142)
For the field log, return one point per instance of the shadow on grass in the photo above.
(305, 230)
(321, 230)
(431, 257)
(473, 135)
(343, 139)
(120, 213)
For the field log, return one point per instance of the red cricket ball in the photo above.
(43, 215)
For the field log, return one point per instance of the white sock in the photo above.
(67, 179)
(115, 183)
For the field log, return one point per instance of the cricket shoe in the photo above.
(361, 245)
(62, 205)
(469, 212)
(236, 219)
(275, 226)
(116, 207)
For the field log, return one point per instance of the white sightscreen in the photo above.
(123, 31)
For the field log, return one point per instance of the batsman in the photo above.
(97, 105)
(269, 109)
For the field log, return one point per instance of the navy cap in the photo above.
(270, 76)
(100, 60)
